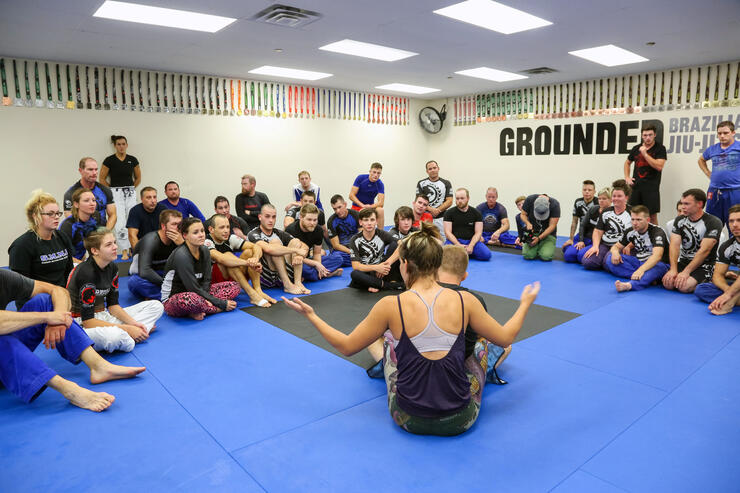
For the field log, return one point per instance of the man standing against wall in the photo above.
(724, 179)
(438, 192)
(649, 158)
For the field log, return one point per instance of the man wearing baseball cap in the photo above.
(540, 214)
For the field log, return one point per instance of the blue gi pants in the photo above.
(480, 250)
(142, 288)
(629, 265)
(332, 261)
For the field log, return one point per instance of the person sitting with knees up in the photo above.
(495, 221)
(151, 254)
(432, 389)
(574, 253)
(235, 259)
(342, 226)
(693, 249)
(540, 214)
(42, 253)
(45, 317)
(403, 220)
(83, 220)
(93, 288)
(612, 224)
(464, 226)
(374, 256)
(282, 255)
(307, 230)
(647, 262)
(721, 295)
(186, 289)
(451, 274)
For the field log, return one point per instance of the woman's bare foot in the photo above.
(260, 301)
(197, 316)
(623, 286)
(336, 273)
(304, 290)
(294, 289)
(106, 371)
(373, 290)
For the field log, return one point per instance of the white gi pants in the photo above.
(114, 338)
(125, 200)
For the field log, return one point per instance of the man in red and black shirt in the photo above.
(649, 158)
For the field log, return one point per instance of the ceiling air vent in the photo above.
(286, 16)
(539, 70)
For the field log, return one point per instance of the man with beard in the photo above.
(307, 229)
(143, 218)
(464, 226)
(693, 249)
(249, 202)
(649, 157)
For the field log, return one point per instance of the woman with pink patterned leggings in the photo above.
(186, 288)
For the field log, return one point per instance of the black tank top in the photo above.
(432, 388)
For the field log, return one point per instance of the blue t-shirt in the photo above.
(345, 228)
(367, 190)
(186, 208)
(492, 217)
(725, 165)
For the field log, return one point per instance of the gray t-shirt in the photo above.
(14, 286)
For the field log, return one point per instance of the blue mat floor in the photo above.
(637, 394)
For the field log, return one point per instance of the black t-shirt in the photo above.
(539, 226)
(643, 171)
(644, 243)
(244, 202)
(294, 212)
(729, 253)
(184, 273)
(693, 232)
(14, 287)
(613, 225)
(231, 245)
(310, 238)
(43, 260)
(121, 172)
(145, 222)
(258, 235)
(435, 191)
(370, 252)
(150, 256)
(400, 236)
(344, 228)
(91, 288)
(589, 222)
(463, 223)
(471, 337)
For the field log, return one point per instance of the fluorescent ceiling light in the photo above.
(144, 14)
(491, 74)
(289, 73)
(407, 88)
(493, 15)
(368, 50)
(609, 55)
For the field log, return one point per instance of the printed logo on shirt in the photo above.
(87, 295)
(53, 257)
(199, 275)
(114, 282)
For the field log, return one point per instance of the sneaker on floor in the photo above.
(110, 339)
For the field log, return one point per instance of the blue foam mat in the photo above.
(689, 442)
(144, 438)
(245, 380)
(530, 435)
(582, 482)
(642, 336)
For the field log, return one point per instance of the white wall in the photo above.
(207, 155)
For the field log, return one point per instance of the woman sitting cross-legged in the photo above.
(93, 288)
(187, 288)
(432, 388)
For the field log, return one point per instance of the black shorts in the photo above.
(647, 194)
(701, 274)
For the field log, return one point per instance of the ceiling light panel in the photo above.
(609, 55)
(368, 50)
(491, 74)
(289, 73)
(397, 87)
(157, 16)
(493, 15)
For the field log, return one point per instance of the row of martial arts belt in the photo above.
(104, 88)
(690, 88)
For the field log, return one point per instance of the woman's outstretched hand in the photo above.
(529, 293)
(299, 306)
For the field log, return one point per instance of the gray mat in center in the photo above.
(345, 308)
